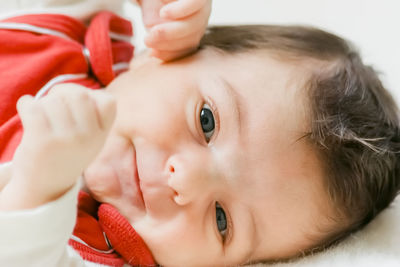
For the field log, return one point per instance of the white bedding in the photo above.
(377, 245)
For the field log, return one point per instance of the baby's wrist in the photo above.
(22, 195)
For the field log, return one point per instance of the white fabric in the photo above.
(39, 237)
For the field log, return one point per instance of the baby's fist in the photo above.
(63, 132)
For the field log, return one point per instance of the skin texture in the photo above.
(265, 177)
(68, 127)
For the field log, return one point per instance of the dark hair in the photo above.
(354, 122)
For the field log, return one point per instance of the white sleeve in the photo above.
(80, 9)
(39, 237)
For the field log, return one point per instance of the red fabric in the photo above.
(94, 219)
(100, 42)
(28, 61)
(89, 230)
(69, 26)
(124, 238)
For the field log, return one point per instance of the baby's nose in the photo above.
(191, 179)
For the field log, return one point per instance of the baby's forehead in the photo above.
(266, 67)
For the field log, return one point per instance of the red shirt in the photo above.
(41, 50)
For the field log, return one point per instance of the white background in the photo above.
(372, 25)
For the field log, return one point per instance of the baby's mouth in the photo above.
(137, 178)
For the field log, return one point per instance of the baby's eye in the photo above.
(207, 122)
(222, 223)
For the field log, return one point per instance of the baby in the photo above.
(268, 143)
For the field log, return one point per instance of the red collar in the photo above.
(103, 235)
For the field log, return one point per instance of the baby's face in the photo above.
(206, 161)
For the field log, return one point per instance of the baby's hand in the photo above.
(63, 132)
(176, 26)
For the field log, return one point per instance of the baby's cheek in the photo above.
(177, 242)
(166, 239)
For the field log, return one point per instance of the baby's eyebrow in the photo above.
(234, 98)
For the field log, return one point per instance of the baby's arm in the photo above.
(176, 27)
(63, 132)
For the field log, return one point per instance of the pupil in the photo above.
(221, 219)
(207, 120)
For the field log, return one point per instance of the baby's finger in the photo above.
(84, 111)
(31, 114)
(175, 30)
(58, 114)
(181, 9)
(79, 105)
(106, 108)
(170, 55)
(188, 42)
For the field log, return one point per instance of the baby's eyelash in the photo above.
(226, 235)
(215, 112)
(229, 233)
